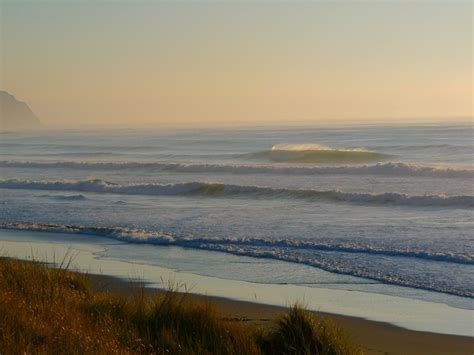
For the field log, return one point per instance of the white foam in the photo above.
(295, 251)
(301, 147)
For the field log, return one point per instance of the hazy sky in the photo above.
(237, 62)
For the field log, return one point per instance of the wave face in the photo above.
(306, 147)
(286, 249)
(387, 169)
(225, 190)
(317, 154)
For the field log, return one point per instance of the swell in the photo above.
(225, 190)
(429, 147)
(66, 197)
(273, 249)
(322, 156)
(389, 168)
(308, 147)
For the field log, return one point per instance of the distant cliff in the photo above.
(16, 115)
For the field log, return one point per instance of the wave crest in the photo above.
(316, 154)
(389, 168)
(305, 147)
(227, 190)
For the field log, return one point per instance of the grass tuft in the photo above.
(52, 310)
(301, 332)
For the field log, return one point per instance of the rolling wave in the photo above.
(227, 190)
(316, 154)
(306, 147)
(388, 169)
(287, 250)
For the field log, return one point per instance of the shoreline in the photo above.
(377, 335)
(374, 337)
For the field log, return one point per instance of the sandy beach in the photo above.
(374, 337)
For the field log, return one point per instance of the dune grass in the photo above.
(55, 311)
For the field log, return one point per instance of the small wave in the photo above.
(316, 154)
(306, 147)
(428, 147)
(79, 154)
(273, 249)
(388, 169)
(66, 197)
(225, 190)
(120, 202)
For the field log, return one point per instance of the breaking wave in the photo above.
(316, 154)
(285, 249)
(305, 147)
(227, 190)
(389, 168)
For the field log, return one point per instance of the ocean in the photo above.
(372, 208)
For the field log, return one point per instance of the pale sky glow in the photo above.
(237, 62)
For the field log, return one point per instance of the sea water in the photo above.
(368, 208)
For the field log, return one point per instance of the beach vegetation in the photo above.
(54, 311)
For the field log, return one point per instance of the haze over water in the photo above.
(237, 63)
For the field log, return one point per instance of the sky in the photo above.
(216, 63)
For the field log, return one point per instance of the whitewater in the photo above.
(381, 205)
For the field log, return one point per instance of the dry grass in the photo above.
(54, 311)
(301, 332)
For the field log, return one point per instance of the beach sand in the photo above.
(374, 337)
